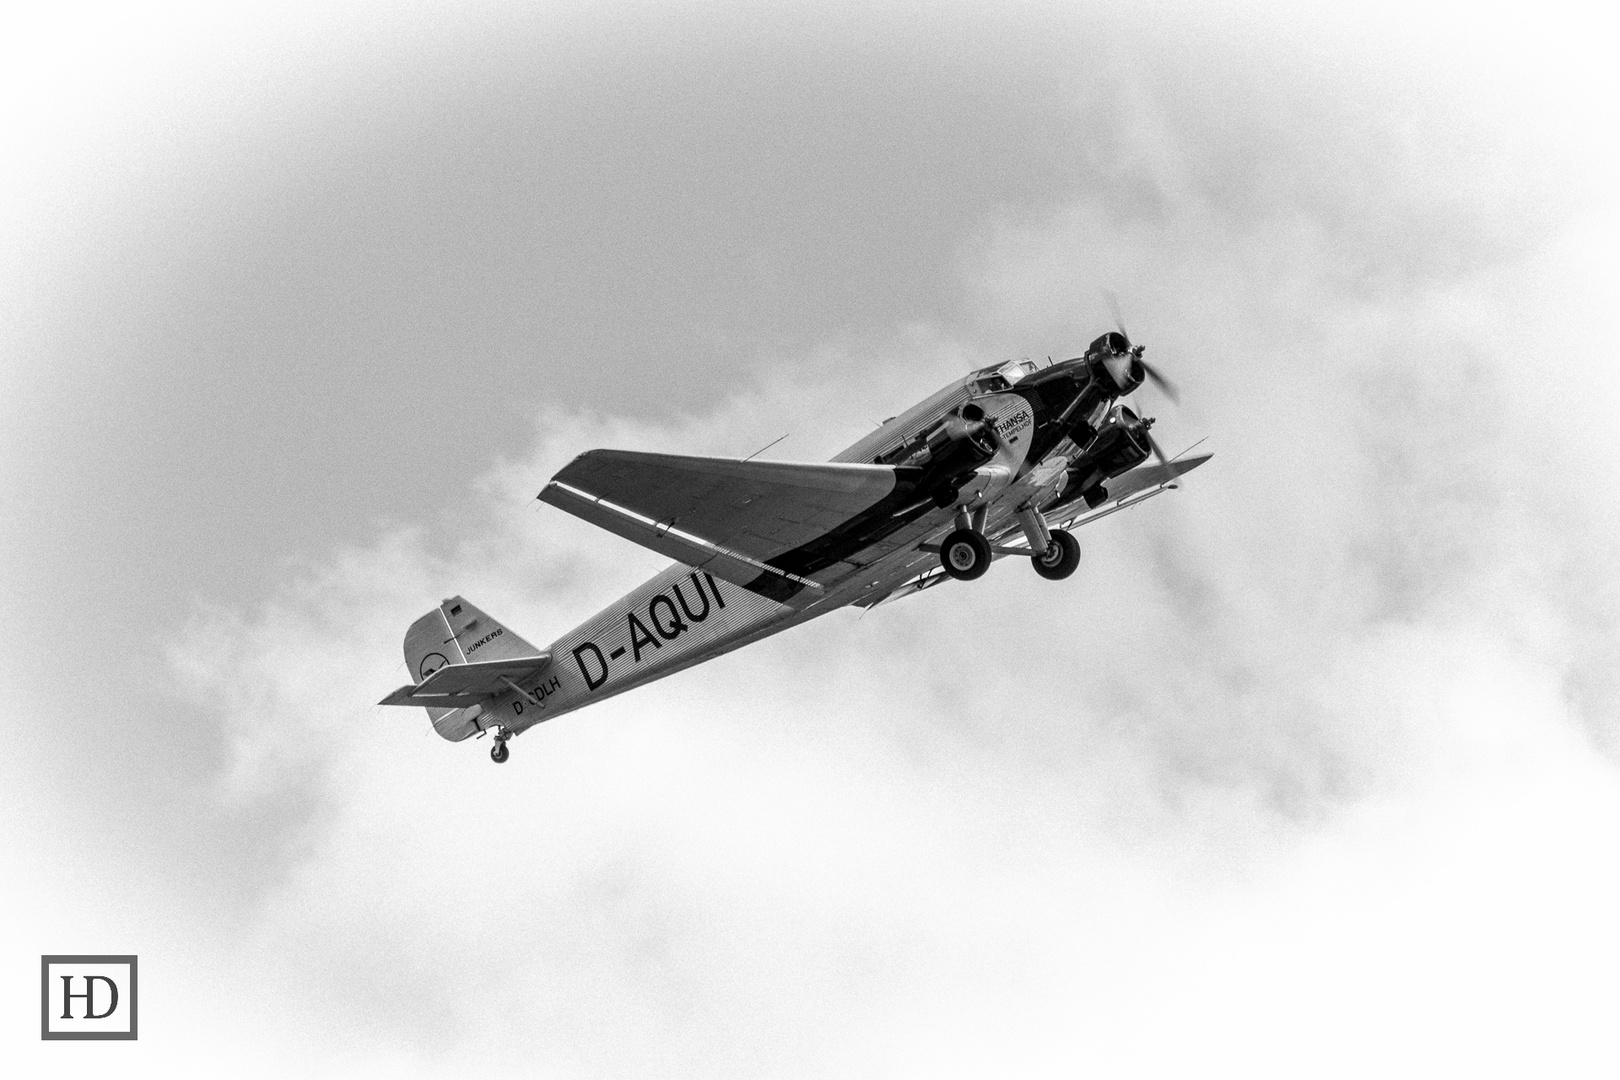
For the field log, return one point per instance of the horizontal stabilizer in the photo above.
(456, 686)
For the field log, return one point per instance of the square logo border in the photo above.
(45, 1031)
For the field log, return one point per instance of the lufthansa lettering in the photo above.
(1013, 424)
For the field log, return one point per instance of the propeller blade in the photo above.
(1113, 309)
(1166, 387)
(1158, 451)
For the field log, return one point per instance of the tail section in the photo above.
(456, 632)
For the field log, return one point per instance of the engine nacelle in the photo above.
(1117, 362)
(1121, 444)
(1112, 343)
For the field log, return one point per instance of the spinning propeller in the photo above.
(1164, 385)
(1144, 424)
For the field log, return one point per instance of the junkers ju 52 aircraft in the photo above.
(1005, 461)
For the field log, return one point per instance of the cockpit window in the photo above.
(993, 380)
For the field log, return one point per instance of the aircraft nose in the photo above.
(1124, 369)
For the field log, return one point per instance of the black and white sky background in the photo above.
(1313, 769)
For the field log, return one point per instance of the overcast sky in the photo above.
(1311, 769)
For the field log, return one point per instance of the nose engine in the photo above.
(1118, 360)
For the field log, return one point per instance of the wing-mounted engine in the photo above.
(1120, 444)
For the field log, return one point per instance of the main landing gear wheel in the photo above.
(965, 554)
(1060, 558)
(499, 753)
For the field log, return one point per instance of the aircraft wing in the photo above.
(456, 686)
(1146, 476)
(1125, 490)
(726, 516)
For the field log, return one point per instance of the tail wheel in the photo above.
(965, 554)
(1061, 557)
(499, 753)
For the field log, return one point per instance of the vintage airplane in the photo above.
(1002, 462)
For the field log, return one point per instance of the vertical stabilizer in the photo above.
(454, 633)
(476, 636)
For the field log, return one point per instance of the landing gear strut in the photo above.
(499, 753)
(1061, 557)
(1054, 552)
